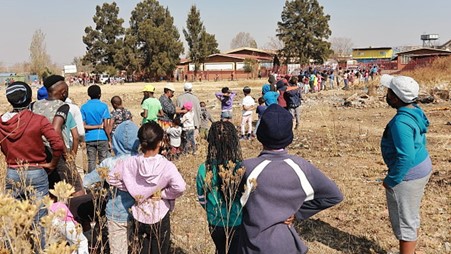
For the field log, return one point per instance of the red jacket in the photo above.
(21, 138)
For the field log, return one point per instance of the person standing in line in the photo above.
(226, 98)
(96, 118)
(188, 96)
(331, 79)
(220, 201)
(21, 133)
(205, 120)
(155, 183)
(187, 122)
(58, 113)
(293, 96)
(248, 106)
(151, 106)
(301, 189)
(76, 113)
(403, 148)
(119, 114)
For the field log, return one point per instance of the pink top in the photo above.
(142, 178)
(68, 216)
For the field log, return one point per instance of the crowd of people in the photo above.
(39, 139)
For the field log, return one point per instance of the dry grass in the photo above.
(344, 143)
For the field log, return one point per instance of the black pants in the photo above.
(218, 234)
(155, 238)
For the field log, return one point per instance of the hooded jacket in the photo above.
(125, 145)
(403, 146)
(154, 182)
(21, 139)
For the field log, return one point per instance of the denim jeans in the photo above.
(96, 150)
(190, 145)
(38, 180)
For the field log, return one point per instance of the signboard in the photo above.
(70, 69)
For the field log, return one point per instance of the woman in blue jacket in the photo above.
(404, 151)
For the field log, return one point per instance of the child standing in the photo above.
(119, 114)
(188, 127)
(175, 137)
(226, 98)
(248, 105)
(155, 183)
(117, 210)
(205, 120)
(260, 109)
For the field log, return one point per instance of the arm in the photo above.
(108, 127)
(56, 143)
(75, 141)
(176, 185)
(218, 96)
(326, 193)
(144, 113)
(115, 176)
(200, 186)
(402, 135)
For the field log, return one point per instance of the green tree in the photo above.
(104, 40)
(243, 39)
(152, 43)
(39, 59)
(201, 44)
(304, 30)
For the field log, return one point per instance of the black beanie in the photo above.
(18, 94)
(275, 128)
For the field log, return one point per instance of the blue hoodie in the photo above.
(403, 146)
(125, 144)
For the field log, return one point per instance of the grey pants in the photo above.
(296, 113)
(96, 150)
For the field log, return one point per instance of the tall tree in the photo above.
(152, 43)
(104, 40)
(304, 30)
(201, 44)
(243, 39)
(39, 59)
(341, 46)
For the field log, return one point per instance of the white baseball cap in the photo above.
(406, 88)
(170, 87)
(188, 86)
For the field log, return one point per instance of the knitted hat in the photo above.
(42, 93)
(275, 129)
(18, 94)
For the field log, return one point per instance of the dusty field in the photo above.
(344, 143)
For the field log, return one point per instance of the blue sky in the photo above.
(367, 23)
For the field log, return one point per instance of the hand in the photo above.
(289, 221)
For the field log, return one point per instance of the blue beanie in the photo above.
(275, 130)
(42, 93)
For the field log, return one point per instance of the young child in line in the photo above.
(64, 222)
(226, 98)
(247, 105)
(187, 121)
(175, 138)
(119, 114)
(119, 202)
(260, 109)
(205, 120)
(155, 183)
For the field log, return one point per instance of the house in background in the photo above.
(408, 60)
(229, 65)
(381, 56)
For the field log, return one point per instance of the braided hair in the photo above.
(223, 148)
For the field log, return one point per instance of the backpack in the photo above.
(293, 98)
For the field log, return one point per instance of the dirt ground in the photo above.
(344, 143)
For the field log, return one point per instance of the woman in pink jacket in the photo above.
(154, 183)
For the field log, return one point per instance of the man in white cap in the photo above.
(403, 148)
(169, 109)
(188, 96)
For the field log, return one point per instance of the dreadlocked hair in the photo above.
(223, 150)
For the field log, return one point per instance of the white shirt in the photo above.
(248, 101)
(188, 121)
(175, 136)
